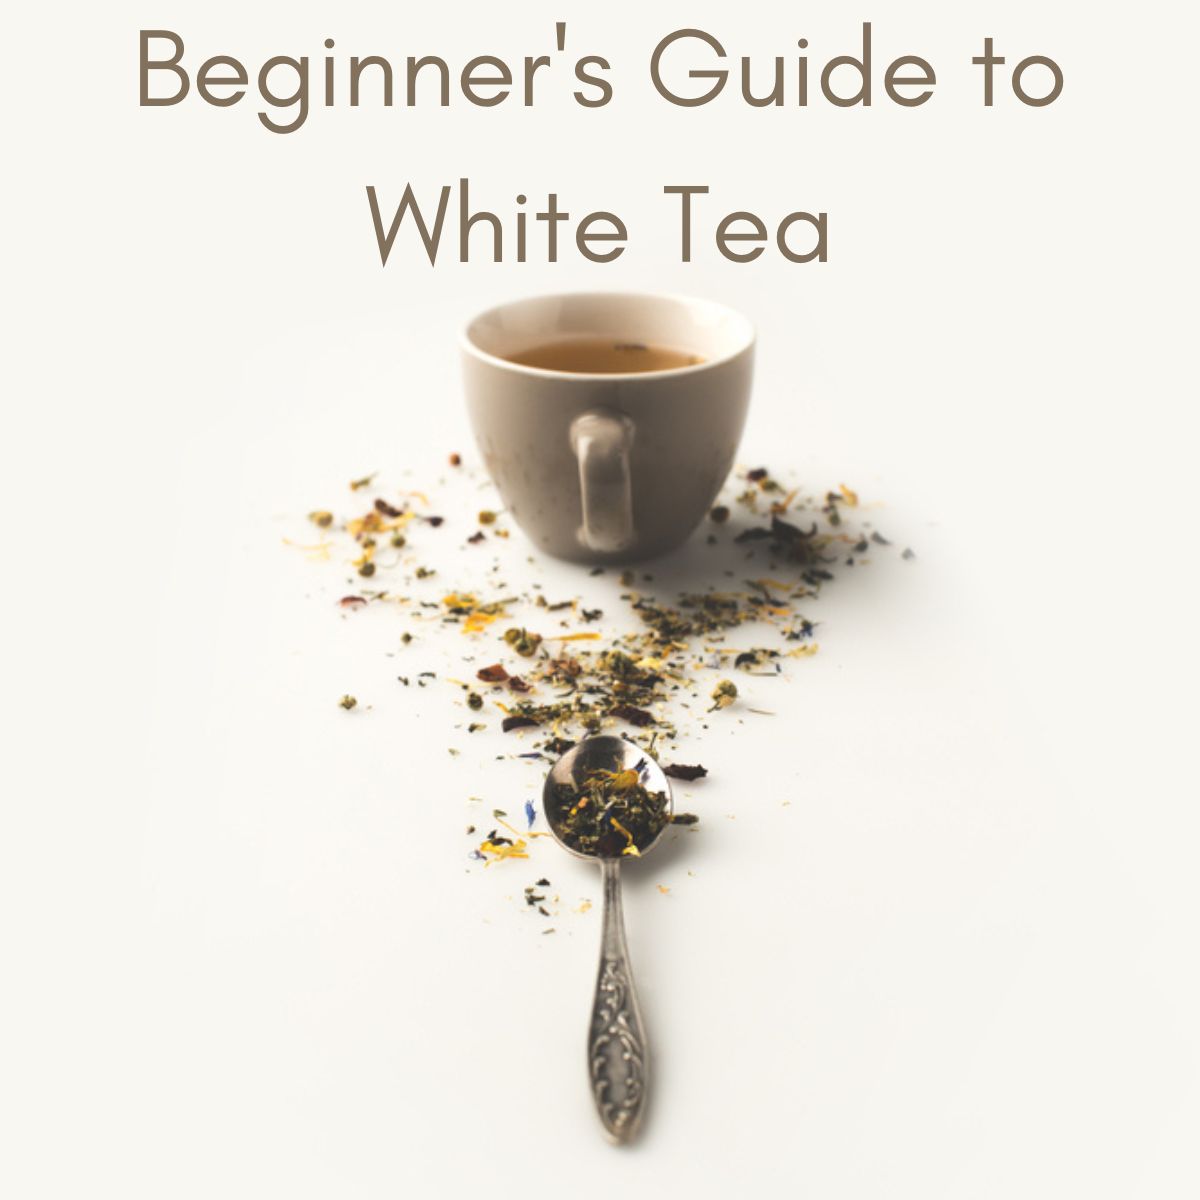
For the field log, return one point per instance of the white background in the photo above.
(243, 954)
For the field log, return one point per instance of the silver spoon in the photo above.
(617, 1057)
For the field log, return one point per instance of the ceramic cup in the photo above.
(602, 468)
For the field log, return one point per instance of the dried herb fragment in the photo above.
(680, 771)
(321, 518)
(348, 702)
(518, 721)
(477, 537)
(523, 642)
(635, 716)
(786, 539)
(386, 509)
(749, 660)
(493, 674)
(719, 515)
(456, 460)
(724, 694)
(684, 819)
(487, 517)
(352, 602)
(474, 701)
(494, 848)
(366, 570)
(358, 484)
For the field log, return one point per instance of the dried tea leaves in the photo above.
(609, 814)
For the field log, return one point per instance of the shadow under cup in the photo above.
(616, 466)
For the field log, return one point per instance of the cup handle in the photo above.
(601, 440)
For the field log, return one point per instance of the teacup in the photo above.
(620, 460)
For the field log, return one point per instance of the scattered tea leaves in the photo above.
(654, 668)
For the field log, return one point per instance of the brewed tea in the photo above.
(592, 355)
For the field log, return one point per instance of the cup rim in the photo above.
(470, 347)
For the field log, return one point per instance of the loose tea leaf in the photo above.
(518, 721)
(679, 771)
(635, 716)
(523, 642)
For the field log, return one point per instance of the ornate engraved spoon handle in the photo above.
(616, 1039)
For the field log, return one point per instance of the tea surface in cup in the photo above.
(589, 354)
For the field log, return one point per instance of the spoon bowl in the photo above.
(624, 771)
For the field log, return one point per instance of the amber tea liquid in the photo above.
(592, 355)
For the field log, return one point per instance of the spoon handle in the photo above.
(616, 1039)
